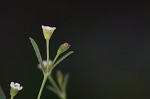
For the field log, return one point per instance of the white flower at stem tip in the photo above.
(45, 64)
(48, 31)
(15, 86)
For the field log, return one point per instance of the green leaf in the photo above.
(62, 58)
(37, 52)
(66, 81)
(60, 78)
(2, 95)
(54, 90)
(52, 81)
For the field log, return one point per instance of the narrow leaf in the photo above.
(59, 76)
(66, 81)
(62, 58)
(2, 95)
(53, 90)
(37, 52)
(52, 81)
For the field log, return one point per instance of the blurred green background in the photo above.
(111, 41)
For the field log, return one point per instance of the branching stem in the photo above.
(42, 86)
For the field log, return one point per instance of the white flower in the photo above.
(48, 31)
(15, 86)
(48, 28)
(45, 64)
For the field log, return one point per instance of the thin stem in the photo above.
(47, 49)
(53, 62)
(42, 86)
(64, 96)
(12, 97)
(55, 59)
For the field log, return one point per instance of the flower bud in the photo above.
(64, 47)
(48, 31)
(45, 64)
(15, 88)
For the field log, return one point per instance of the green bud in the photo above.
(64, 47)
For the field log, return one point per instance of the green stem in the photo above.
(42, 86)
(55, 59)
(12, 97)
(49, 68)
(47, 49)
(64, 97)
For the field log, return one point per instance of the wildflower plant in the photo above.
(47, 66)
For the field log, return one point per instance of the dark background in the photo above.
(111, 40)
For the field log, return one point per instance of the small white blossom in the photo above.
(15, 86)
(48, 31)
(45, 64)
(48, 28)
